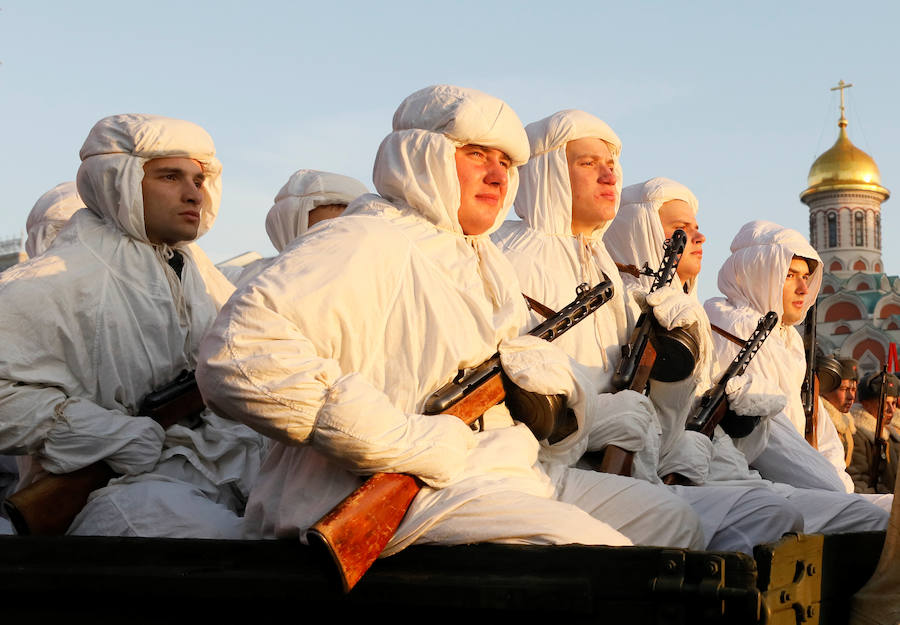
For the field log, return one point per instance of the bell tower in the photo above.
(844, 196)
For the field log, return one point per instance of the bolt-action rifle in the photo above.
(879, 452)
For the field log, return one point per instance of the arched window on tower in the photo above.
(812, 230)
(832, 230)
(859, 229)
(878, 232)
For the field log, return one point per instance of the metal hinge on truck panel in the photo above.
(790, 579)
(706, 592)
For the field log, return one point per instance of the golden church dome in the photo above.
(844, 166)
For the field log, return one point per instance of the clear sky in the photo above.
(732, 99)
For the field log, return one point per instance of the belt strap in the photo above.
(629, 269)
(544, 311)
(728, 335)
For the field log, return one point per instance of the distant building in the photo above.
(12, 251)
(858, 312)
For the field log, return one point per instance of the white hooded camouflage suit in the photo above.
(333, 350)
(93, 325)
(550, 261)
(752, 281)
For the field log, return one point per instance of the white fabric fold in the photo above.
(623, 419)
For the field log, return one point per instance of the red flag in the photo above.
(892, 357)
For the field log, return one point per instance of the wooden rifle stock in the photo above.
(48, 506)
(613, 459)
(357, 530)
(879, 446)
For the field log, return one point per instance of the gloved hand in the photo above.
(621, 419)
(690, 455)
(84, 433)
(673, 308)
(359, 428)
(538, 369)
(537, 366)
(754, 396)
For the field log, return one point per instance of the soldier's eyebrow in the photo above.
(165, 171)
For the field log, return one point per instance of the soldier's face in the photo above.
(678, 215)
(842, 397)
(173, 199)
(794, 291)
(592, 176)
(483, 177)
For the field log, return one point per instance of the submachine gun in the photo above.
(713, 406)
(651, 352)
(356, 531)
(879, 452)
(48, 506)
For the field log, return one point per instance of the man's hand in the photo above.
(84, 433)
(360, 429)
(673, 308)
(689, 456)
(622, 419)
(754, 397)
(537, 366)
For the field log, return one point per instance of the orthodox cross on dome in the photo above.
(840, 87)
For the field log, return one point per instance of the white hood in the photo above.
(545, 200)
(752, 280)
(636, 236)
(416, 164)
(754, 274)
(49, 215)
(550, 261)
(305, 190)
(112, 167)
